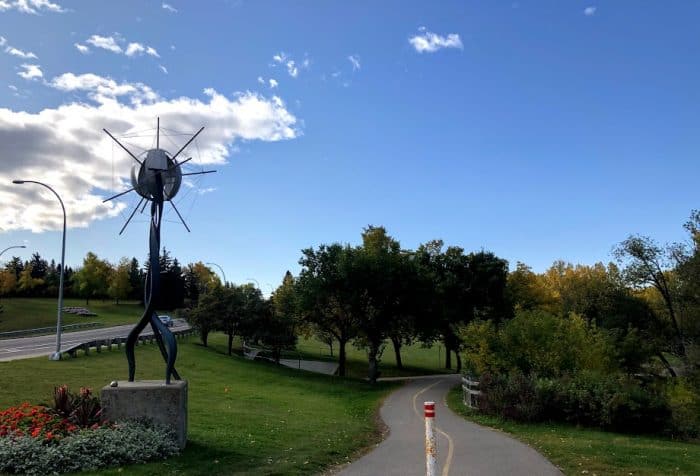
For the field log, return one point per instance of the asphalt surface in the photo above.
(26, 347)
(463, 447)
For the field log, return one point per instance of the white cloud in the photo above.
(101, 89)
(11, 50)
(105, 42)
(31, 6)
(429, 42)
(12, 87)
(111, 43)
(355, 61)
(170, 8)
(163, 69)
(273, 83)
(19, 53)
(589, 11)
(203, 191)
(134, 49)
(82, 48)
(261, 80)
(31, 71)
(292, 69)
(66, 148)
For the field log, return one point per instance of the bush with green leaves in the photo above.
(92, 449)
(538, 343)
(611, 402)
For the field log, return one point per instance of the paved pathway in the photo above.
(318, 366)
(26, 347)
(463, 447)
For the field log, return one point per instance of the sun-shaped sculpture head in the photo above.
(144, 175)
(158, 176)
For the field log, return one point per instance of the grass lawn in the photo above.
(417, 360)
(589, 451)
(29, 313)
(244, 417)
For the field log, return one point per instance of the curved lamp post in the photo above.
(220, 269)
(56, 355)
(11, 247)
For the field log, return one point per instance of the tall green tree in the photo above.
(651, 266)
(91, 281)
(119, 283)
(26, 283)
(324, 290)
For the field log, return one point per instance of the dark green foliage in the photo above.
(125, 443)
(82, 409)
(608, 402)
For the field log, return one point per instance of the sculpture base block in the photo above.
(149, 399)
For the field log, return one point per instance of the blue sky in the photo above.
(537, 130)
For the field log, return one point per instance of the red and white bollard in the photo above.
(430, 444)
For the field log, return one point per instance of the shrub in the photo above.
(121, 444)
(83, 409)
(684, 403)
(509, 396)
(538, 343)
(608, 402)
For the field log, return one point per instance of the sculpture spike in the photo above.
(187, 143)
(122, 146)
(181, 219)
(131, 216)
(200, 173)
(118, 195)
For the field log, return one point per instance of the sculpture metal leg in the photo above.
(152, 290)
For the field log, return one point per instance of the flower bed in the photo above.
(71, 435)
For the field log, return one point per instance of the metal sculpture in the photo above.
(156, 178)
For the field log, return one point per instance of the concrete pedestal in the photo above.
(150, 399)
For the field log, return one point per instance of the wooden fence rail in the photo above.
(470, 391)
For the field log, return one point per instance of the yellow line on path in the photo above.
(450, 447)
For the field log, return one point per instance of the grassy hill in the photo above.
(244, 417)
(30, 313)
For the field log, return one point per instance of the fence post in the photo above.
(430, 444)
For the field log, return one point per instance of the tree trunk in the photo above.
(230, 342)
(448, 357)
(459, 361)
(373, 371)
(277, 354)
(667, 364)
(204, 335)
(330, 346)
(341, 358)
(397, 351)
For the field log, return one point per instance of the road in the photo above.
(463, 447)
(26, 347)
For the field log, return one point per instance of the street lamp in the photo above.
(220, 269)
(10, 247)
(250, 280)
(56, 355)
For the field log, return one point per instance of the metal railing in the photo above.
(108, 342)
(47, 330)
